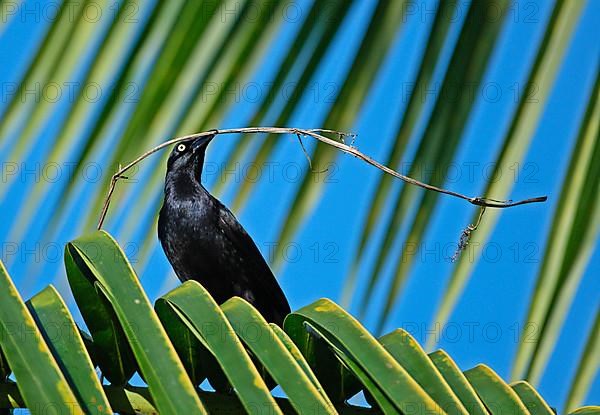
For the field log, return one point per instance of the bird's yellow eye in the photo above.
(181, 147)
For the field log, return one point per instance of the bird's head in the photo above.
(188, 156)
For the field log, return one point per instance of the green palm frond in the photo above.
(321, 358)
(572, 237)
(589, 364)
(378, 38)
(440, 141)
(517, 140)
(414, 107)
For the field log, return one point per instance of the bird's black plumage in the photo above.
(204, 241)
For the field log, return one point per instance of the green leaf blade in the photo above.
(62, 336)
(497, 396)
(273, 354)
(40, 380)
(205, 319)
(359, 350)
(404, 348)
(531, 399)
(171, 388)
(458, 382)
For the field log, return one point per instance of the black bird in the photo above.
(204, 241)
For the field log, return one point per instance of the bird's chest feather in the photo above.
(188, 220)
(192, 232)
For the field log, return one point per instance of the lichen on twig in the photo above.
(465, 236)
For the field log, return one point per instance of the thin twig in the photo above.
(308, 156)
(316, 134)
(304, 151)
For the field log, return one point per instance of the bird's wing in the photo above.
(262, 277)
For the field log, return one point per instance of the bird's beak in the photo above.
(202, 142)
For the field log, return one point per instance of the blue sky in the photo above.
(495, 301)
